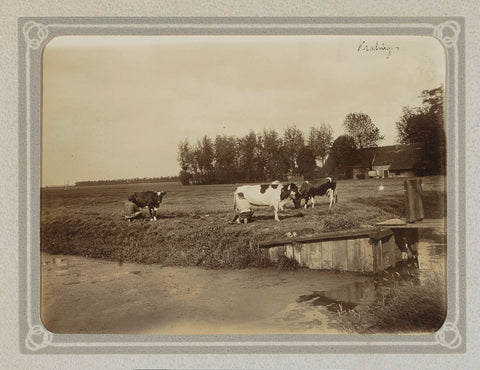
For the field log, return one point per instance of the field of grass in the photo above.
(193, 229)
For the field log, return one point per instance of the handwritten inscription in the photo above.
(378, 47)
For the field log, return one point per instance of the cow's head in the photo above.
(289, 191)
(160, 195)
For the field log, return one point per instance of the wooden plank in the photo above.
(314, 258)
(388, 253)
(432, 223)
(419, 199)
(409, 201)
(352, 258)
(303, 252)
(378, 256)
(367, 255)
(334, 235)
(275, 253)
(340, 255)
(359, 243)
(327, 256)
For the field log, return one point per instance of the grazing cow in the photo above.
(150, 199)
(308, 191)
(274, 194)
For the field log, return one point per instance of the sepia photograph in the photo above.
(243, 185)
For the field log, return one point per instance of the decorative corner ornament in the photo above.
(449, 336)
(38, 338)
(35, 34)
(448, 33)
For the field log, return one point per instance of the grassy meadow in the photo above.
(193, 229)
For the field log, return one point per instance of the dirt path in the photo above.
(81, 295)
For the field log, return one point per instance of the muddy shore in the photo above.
(84, 295)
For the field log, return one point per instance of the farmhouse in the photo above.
(384, 161)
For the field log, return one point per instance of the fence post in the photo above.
(413, 200)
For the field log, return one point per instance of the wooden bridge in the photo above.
(369, 250)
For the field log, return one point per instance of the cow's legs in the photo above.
(331, 195)
(275, 211)
(153, 215)
(313, 201)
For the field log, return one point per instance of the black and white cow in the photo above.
(150, 199)
(308, 191)
(274, 195)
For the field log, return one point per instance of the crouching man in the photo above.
(243, 210)
(131, 211)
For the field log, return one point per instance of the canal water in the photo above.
(84, 295)
(431, 260)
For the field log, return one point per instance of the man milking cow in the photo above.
(142, 199)
(274, 195)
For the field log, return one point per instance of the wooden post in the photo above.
(419, 199)
(413, 200)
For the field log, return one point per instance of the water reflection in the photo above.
(431, 258)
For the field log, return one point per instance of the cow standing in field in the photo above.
(150, 199)
(274, 194)
(308, 191)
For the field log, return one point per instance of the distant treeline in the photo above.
(265, 156)
(128, 181)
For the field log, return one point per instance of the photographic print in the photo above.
(246, 185)
(199, 128)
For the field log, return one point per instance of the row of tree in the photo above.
(265, 156)
(136, 180)
(270, 156)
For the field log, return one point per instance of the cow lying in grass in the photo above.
(150, 199)
(274, 195)
(308, 191)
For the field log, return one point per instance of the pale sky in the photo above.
(117, 106)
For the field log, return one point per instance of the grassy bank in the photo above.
(193, 228)
(407, 305)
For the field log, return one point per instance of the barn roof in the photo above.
(406, 157)
(398, 157)
(363, 157)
